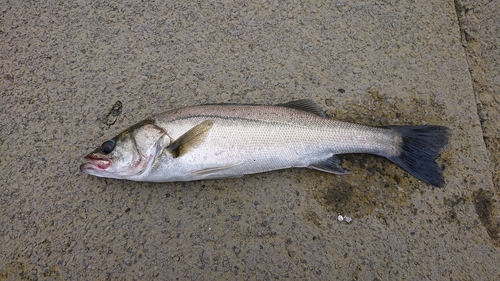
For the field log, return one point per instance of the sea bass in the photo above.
(228, 140)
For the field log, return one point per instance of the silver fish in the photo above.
(225, 141)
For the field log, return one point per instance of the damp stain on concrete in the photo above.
(452, 203)
(486, 208)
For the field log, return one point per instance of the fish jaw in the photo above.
(104, 166)
(95, 165)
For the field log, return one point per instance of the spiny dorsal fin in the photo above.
(306, 105)
(190, 139)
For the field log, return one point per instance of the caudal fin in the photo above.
(419, 150)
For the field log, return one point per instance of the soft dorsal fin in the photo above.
(190, 139)
(306, 105)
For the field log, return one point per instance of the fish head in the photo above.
(128, 155)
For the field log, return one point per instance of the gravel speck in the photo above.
(236, 250)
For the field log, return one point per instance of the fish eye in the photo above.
(108, 146)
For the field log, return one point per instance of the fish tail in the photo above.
(420, 147)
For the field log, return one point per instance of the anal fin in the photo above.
(331, 165)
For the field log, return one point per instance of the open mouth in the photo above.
(94, 163)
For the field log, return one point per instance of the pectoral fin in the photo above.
(331, 165)
(190, 139)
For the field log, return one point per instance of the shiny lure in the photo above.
(227, 141)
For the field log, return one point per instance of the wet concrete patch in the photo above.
(375, 185)
(452, 216)
(487, 210)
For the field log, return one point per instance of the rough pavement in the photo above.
(64, 67)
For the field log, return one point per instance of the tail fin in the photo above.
(421, 146)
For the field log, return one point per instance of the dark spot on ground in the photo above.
(313, 217)
(451, 216)
(485, 209)
(339, 198)
(374, 183)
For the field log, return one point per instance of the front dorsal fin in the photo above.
(190, 139)
(306, 105)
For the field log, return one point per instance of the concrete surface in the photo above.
(64, 65)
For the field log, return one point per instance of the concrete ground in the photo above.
(64, 65)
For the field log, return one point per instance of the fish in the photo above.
(232, 140)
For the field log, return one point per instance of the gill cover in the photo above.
(129, 154)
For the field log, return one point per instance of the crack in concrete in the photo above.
(462, 22)
(483, 200)
(466, 37)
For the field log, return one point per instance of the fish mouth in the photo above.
(94, 163)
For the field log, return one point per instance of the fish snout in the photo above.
(92, 162)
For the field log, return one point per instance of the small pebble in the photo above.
(236, 250)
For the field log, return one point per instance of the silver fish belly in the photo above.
(221, 141)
